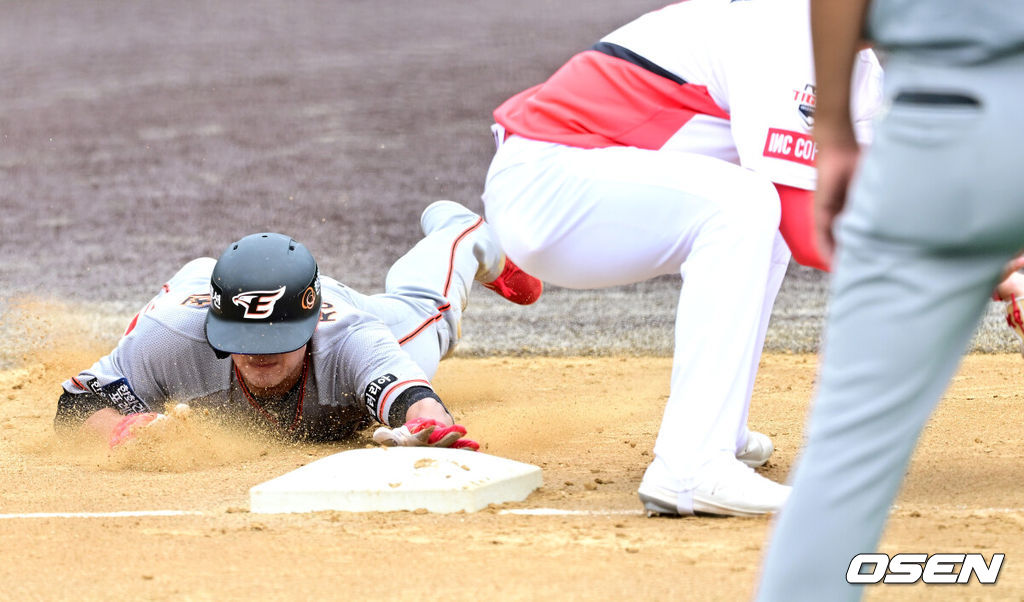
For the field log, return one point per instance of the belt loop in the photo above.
(499, 135)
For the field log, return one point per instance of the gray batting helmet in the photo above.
(266, 296)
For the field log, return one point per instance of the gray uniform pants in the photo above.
(936, 211)
(427, 289)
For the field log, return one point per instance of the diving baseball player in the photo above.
(679, 144)
(260, 336)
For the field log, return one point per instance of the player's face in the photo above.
(272, 374)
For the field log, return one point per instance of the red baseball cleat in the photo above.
(516, 285)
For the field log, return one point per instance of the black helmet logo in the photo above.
(259, 305)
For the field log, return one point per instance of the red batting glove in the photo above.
(130, 425)
(425, 432)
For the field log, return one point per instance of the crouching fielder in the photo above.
(260, 336)
(679, 144)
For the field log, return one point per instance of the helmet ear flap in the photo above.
(221, 355)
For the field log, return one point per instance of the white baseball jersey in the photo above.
(731, 79)
(355, 370)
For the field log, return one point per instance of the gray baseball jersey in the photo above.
(366, 352)
(356, 366)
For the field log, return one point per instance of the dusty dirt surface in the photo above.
(589, 423)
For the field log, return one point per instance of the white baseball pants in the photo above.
(593, 218)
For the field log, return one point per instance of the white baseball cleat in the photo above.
(733, 490)
(757, 450)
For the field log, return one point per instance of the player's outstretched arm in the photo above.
(109, 425)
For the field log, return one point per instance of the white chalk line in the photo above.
(120, 514)
(507, 511)
(563, 512)
(150, 513)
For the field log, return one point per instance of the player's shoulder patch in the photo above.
(120, 395)
(198, 301)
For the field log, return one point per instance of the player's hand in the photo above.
(131, 425)
(1015, 318)
(424, 432)
(837, 159)
(1012, 284)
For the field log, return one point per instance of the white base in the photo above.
(398, 478)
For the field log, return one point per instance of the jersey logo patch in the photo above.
(374, 389)
(790, 146)
(806, 100)
(258, 304)
(198, 301)
(120, 394)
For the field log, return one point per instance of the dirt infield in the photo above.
(571, 416)
(137, 135)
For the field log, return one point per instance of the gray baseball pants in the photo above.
(936, 211)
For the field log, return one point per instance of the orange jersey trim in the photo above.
(451, 255)
(419, 329)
